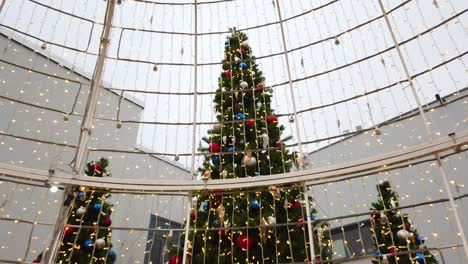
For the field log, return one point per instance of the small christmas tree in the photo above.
(394, 232)
(252, 226)
(89, 243)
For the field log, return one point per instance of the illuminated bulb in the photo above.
(53, 189)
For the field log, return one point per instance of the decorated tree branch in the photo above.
(87, 235)
(249, 226)
(394, 232)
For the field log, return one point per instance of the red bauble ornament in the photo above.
(214, 203)
(244, 242)
(392, 250)
(36, 261)
(222, 232)
(214, 147)
(272, 119)
(238, 104)
(407, 226)
(96, 167)
(260, 87)
(300, 221)
(250, 123)
(228, 73)
(174, 259)
(193, 215)
(242, 51)
(107, 221)
(278, 143)
(318, 260)
(295, 205)
(69, 231)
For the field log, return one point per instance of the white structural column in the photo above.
(90, 109)
(194, 129)
(429, 132)
(299, 139)
(86, 126)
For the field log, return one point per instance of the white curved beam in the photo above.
(368, 164)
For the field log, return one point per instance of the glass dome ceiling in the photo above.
(344, 74)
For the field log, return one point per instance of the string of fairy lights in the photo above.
(318, 132)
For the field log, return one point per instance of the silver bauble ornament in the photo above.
(80, 211)
(244, 85)
(249, 161)
(224, 174)
(265, 140)
(271, 220)
(403, 234)
(100, 243)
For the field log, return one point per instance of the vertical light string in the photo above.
(194, 124)
(87, 123)
(299, 140)
(428, 131)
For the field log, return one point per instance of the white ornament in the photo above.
(384, 260)
(100, 243)
(319, 235)
(259, 104)
(271, 220)
(80, 211)
(244, 85)
(383, 218)
(249, 161)
(224, 139)
(224, 174)
(245, 44)
(265, 140)
(194, 201)
(403, 234)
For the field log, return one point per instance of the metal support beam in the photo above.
(298, 133)
(194, 130)
(85, 132)
(428, 131)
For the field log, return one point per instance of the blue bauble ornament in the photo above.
(240, 116)
(243, 65)
(215, 159)
(227, 43)
(111, 254)
(377, 252)
(254, 205)
(216, 222)
(80, 194)
(205, 206)
(419, 239)
(257, 174)
(97, 207)
(88, 243)
(313, 217)
(420, 258)
(231, 149)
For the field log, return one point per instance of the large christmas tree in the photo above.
(249, 226)
(394, 232)
(87, 236)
